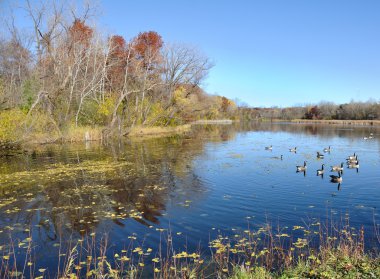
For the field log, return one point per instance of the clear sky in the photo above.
(268, 53)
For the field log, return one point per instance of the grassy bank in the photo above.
(158, 131)
(261, 253)
(16, 129)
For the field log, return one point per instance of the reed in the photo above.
(157, 131)
(329, 250)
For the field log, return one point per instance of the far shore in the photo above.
(338, 122)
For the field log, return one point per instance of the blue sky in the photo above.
(268, 53)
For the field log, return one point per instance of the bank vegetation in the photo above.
(66, 74)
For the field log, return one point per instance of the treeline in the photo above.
(67, 73)
(369, 110)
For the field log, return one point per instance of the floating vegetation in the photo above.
(60, 172)
(235, 155)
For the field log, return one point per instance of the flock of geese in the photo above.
(352, 162)
(369, 137)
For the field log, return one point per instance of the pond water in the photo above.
(215, 179)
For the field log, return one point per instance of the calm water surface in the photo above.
(215, 179)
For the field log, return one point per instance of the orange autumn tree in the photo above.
(147, 46)
(117, 62)
(80, 33)
(134, 71)
(147, 54)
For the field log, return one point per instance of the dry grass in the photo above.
(83, 133)
(90, 133)
(142, 131)
(71, 134)
(214, 121)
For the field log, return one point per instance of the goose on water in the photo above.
(327, 149)
(337, 168)
(352, 165)
(293, 149)
(277, 157)
(336, 178)
(352, 157)
(319, 155)
(268, 147)
(321, 170)
(352, 161)
(302, 168)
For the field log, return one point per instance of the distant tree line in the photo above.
(369, 110)
(67, 73)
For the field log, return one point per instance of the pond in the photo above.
(216, 179)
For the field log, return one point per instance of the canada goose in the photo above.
(327, 149)
(293, 149)
(319, 155)
(268, 147)
(336, 178)
(277, 157)
(352, 161)
(302, 168)
(337, 168)
(322, 170)
(352, 157)
(365, 138)
(353, 165)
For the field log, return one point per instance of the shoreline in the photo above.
(88, 134)
(93, 134)
(338, 122)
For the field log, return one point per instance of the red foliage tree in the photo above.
(80, 32)
(117, 61)
(118, 47)
(147, 47)
(313, 113)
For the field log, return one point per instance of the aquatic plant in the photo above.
(308, 251)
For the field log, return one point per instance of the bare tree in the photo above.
(183, 65)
